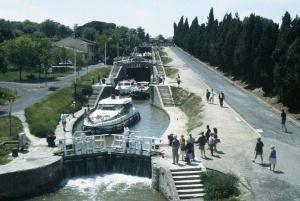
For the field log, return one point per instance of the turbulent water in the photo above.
(108, 187)
(116, 187)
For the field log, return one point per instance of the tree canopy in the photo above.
(254, 49)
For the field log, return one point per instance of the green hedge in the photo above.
(190, 104)
(219, 186)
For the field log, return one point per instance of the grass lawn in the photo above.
(5, 136)
(44, 116)
(6, 95)
(190, 104)
(219, 186)
(13, 76)
(171, 72)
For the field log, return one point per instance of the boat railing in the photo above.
(82, 144)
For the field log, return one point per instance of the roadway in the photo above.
(30, 93)
(263, 119)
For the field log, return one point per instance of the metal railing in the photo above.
(82, 144)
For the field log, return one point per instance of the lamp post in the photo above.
(10, 102)
(105, 49)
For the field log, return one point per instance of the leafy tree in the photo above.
(21, 52)
(89, 33)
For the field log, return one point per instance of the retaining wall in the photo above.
(26, 182)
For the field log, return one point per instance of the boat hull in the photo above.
(113, 127)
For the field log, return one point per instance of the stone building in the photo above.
(85, 49)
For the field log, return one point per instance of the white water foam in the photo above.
(107, 182)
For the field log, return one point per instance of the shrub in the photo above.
(220, 186)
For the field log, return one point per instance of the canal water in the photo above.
(116, 187)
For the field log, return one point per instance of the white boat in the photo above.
(125, 87)
(141, 91)
(110, 116)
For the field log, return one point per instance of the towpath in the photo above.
(240, 122)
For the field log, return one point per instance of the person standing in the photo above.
(182, 147)
(211, 143)
(259, 150)
(215, 134)
(175, 147)
(207, 95)
(283, 121)
(207, 134)
(202, 141)
(178, 81)
(192, 140)
(63, 118)
(189, 151)
(126, 133)
(212, 95)
(221, 98)
(272, 158)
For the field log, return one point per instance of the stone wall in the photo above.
(27, 182)
(162, 180)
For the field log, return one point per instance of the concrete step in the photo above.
(186, 177)
(190, 196)
(186, 169)
(186, 173)
(188, 182)
(189, 186)
(190, 191)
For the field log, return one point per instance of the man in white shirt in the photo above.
(211, 143)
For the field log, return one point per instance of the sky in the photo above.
(155, 16)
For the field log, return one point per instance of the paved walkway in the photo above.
(237, 144)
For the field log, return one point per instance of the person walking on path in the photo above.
(283, 120)
(189, 151)
(272, 158)
(207, 134)
(211, 143)
(212, 95)
(182, 147)
(221, 98)
(207, 95)
(259, 150)
(202, 141)
(170, 138)
(175, 147)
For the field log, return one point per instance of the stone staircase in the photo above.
(166, 96)
(93, 98)
(114, 71)
(188, 183)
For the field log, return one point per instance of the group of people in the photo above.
(210, 95)
(185, 148)
(182, 148)
(259, 152)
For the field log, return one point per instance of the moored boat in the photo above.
(110, 116)
(141, 91)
